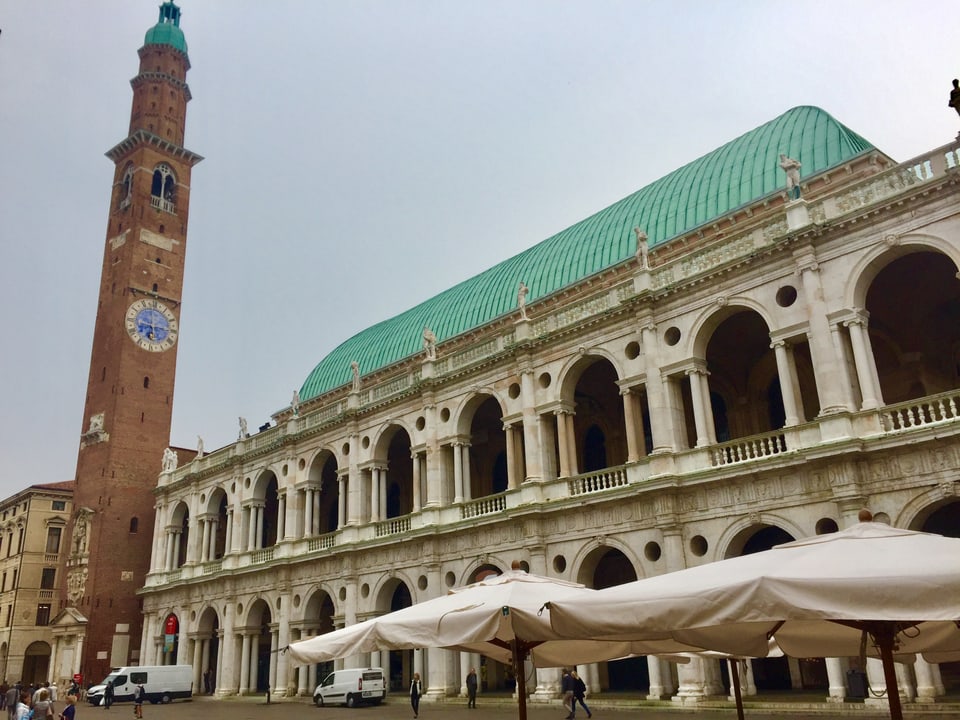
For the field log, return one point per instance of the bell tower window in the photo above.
(163, 190)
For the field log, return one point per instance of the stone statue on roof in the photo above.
(355, 369)
(243, 428)
(522, 300)
(199, 447)
(295, 403)
(643, 248)
(170, 460)
(430, 343)
(955, 96)
(792, 168)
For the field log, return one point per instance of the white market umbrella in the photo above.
(820, 596)
(501, 616)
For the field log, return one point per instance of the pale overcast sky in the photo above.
(362, 156)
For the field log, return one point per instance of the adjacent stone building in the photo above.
(720, 362)
(33, 540)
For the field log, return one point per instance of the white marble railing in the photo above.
(174, 576)
(394, 526)
(924, 411)
(598, 481)
(483, 506)
(211, 567)
(161, 204)
(262, 556)
(322, 542)
(750, 448)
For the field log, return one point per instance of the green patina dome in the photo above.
(167, 30)
(738, 173)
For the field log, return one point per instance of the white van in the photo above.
(161, 683)
(351, 687)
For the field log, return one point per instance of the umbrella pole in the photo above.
(519, 672)
(735, 675)
(884, 636)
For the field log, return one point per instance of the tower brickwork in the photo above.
(129, 399)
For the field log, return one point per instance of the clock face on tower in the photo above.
(151, 325)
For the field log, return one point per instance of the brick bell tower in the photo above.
(126, 419)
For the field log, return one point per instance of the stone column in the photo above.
(572, 443)
(655, 671)
(511, 457)
(457, 473)
(465, 463)
(531, 426)
(826, 368)
(343, 488)
(197, 663)
(787, 373)
(700, 412)
(276, 685)
(374, 494)
(417, 503)
(836, 682)
(661, 414)
(281, 515)
(563, 451)
(259, 510)
(308, 512)
(245, 665)
(630, 424)
(291, 516)
(926, 687)
(228, 541)
(863, 362)
(204, 525)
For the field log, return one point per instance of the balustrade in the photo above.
(483, 506)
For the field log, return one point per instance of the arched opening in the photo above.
(267, 493)
(323, 515)
(36, 663)
(774, 674)
(914, 303)
(745, 387)
(261, 618)
(318, 619)
(599, 439)
(398, 665)
(488, 449)
(399, 482)
(208, 631)
(631, 674)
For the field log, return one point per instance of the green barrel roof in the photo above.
(740, 172)
(167, 30)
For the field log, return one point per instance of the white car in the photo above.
(351, 687)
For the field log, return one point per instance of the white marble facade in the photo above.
(761, 379)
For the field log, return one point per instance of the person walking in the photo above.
(579, 693)
(415, 692)
(42, 707)
(23, 707)
(566, 687)
(472, 688)
(13, 697)
(138, 701)
(108, 695)
(70, 710)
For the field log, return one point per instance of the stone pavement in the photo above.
(502, 708)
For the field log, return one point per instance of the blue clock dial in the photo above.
(152, 325)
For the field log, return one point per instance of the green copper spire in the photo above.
(167, 30)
